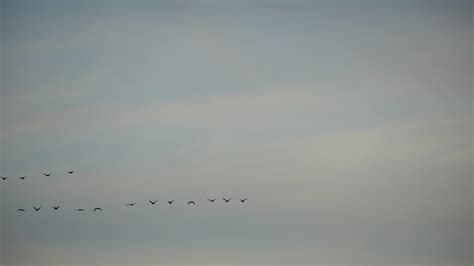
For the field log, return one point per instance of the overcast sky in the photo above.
(347, 125)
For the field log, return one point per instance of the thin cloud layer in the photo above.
(348, 127)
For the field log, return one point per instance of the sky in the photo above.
(348, 125)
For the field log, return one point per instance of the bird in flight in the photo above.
(191, 202)
(21, 210)
(37, 208)
(226, 200)
(4, 177)
(243, 200)
(70, 172)
(170, 201)
(79, 210)
(46, 174)
(56, 207)
(22, 177)
(97, 209)
(153, 202)
(211, 200)
(131, 204)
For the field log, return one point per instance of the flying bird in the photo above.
(97, 209)
(131, 204)
(22, 177)
(243, 200)
(79, 210)
(153, 202)
(191, 202)
(46, 174)
(170, 201)
(226, 200)
(70, 172)
(21, 210)
(37, 208)
(56, 207)
(4, 177)
(211, 200)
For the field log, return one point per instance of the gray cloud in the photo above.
(349, 127)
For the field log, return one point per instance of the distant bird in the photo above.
(226, 200)
(4, 177)
(56, 207)
(48, 174)
(153, 202)
(22, 177)
(79, 210)
(191, 202)
(131, 204)
(243, 200)
(21, 210)
(70, 172)
(97, 209)
(37, 208)
(170, 201)
(211, 200)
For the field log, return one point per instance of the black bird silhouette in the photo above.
(170, 201)
(191, 202)
(79, 210)
(97, 209)
(211, 200)
(226, 200)
(70, 172)
(48, 174)
(37, 208)
(153, 202)
(243, 200)
(131, 204)
(56, 207)
(22, 177)
(21, 210)
(4, 177)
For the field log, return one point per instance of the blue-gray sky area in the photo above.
(347, 124)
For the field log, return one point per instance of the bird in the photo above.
(56, 207)
(153, 202)
(226, 200)
(21, 210)
(131, 204)
(170, 201)
(46, 174)
(191, 202)
(70, 172)
(37, 208)
(211, 200)
(22, 177)
(79, 210)
(243, 200)
(4, 177)
(97, 209)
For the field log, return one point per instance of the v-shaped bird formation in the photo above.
(99, 209)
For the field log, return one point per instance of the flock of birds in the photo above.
(99, 209)
(4, 178)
